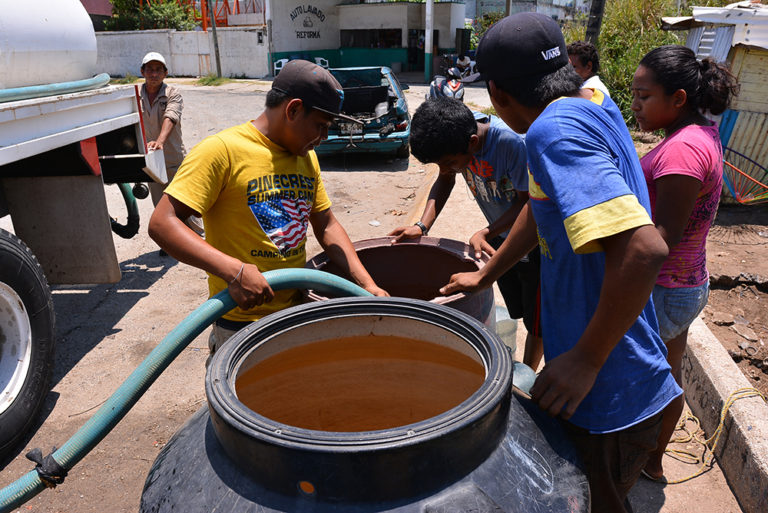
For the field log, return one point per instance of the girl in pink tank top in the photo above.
(671, 91)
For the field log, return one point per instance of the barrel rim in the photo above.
(443, 244)
(222, 399)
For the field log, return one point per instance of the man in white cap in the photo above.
(161, 106)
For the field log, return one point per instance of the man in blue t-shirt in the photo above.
(491, 157)
(606, 373)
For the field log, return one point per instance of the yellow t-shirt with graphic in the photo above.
(255, 197)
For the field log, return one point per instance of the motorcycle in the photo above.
(447, 85)
(466, 66)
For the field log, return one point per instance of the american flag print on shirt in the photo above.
(283, 220)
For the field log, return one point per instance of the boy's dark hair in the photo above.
(441, 126)
(586, 52)
(539, 91)
(708, 84)
(275, 98)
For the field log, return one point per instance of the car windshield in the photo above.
(360, 77)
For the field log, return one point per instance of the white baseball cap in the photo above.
(153, 56)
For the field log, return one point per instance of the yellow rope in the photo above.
(710, 444)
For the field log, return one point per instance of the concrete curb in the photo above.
(710, 376)
(422, 194)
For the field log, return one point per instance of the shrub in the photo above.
(127, 79)
(630, 29)
(481, 24)
(212, 80)
(159, 14)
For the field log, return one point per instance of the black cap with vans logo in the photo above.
(525, 44)
(313, 85)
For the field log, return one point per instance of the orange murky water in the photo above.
(359, 383)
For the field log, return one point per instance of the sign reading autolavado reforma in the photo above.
(300, 27)
(307, 20)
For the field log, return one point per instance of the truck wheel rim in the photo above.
(15, 346)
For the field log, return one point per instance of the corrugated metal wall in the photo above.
(750, 136)
(744, 128)
(748, 123)
(711, 40)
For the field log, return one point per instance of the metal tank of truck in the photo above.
(64, 134)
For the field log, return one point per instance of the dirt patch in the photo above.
(645, 141)
(737, 313)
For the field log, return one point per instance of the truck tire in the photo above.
(403, 151)
(26, 340)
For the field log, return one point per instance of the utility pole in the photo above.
(428, 41)
(595, 20)
(215, 38)
(270, 45)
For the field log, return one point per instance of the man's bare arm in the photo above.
(438, 195)
(479, 240)
(521, 240)
(334, 239)
(247, 285)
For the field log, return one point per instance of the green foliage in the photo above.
(212, 80)
(489, 111)
(481, 25)
(125, 15)
(575, 29)
(630, 29)
(127, 79)
(159, 14)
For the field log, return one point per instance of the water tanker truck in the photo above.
(64, 134)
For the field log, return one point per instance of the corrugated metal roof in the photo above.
(711, 41)
(679, 23)
(750, 21)
(706, 42)
(722, 43)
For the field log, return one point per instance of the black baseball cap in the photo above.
(525, 44)
(314, 85)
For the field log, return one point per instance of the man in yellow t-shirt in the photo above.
(258, 187)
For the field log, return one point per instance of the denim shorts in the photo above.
(677, 308)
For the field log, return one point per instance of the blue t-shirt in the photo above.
(498, 170)
(585, 184)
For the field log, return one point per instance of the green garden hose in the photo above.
(37, 91)
(131, 227)
(118, 405)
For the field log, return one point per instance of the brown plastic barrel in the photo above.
(417, 269)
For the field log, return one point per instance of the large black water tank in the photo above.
(492, 452)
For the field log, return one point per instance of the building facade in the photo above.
(351, 33)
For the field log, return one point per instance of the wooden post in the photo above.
(595, 20)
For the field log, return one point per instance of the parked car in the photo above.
(375, 97)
